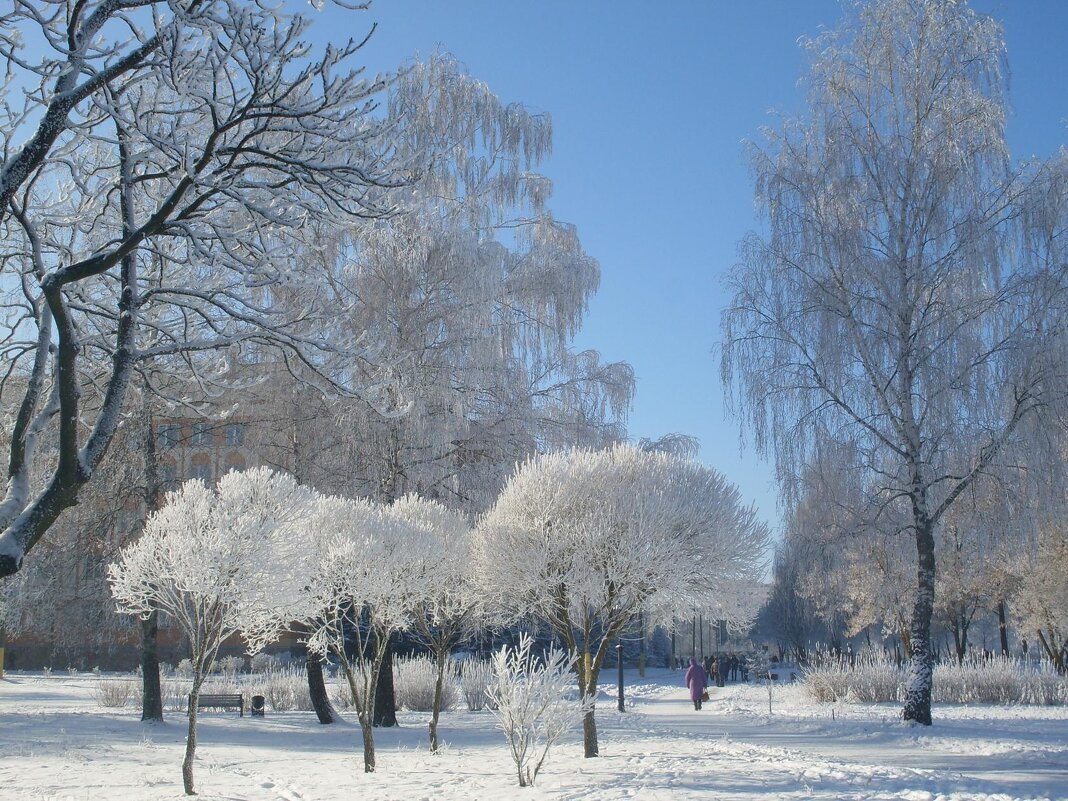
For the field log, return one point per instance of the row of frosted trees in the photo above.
(583, 540)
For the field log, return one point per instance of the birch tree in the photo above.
(156, 210)
(586, 540)
(472, 293)
(885, 307)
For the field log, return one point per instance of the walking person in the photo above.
(696, 681)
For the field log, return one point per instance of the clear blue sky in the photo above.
(650, 104)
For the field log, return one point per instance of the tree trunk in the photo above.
(3, 645)
(320, 699)
(385, 697)
(191, 737)
(588, 687)
(589, 732)
(436, 713)
(151, 694)
(641, 646)
(1055, 653)
(1003, 629)
(960, 638)
(368, 745)
(921, 671)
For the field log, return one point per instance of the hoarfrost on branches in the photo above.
(200, 561)
(151, 219)
(889, 311)
(586, 540)
(529, 698)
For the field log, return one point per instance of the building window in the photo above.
(168, 436)
(168, 476)
(235, 435)
(202, 471)
(202, 437)
(235, 462)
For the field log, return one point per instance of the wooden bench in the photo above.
(222, 702)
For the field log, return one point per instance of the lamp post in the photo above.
(619, 668)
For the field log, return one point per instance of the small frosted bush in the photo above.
(341, 695)
(264, 663)
(113, 692)
(414, 680)
(532, 704)
(874, 677)
(476, 676)
(175, 692)
(229, 665)
(283, 688)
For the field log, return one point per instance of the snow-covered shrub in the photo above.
(264, 663)
(873, 677)
(532, 704)
(978, 680)
(229, 665)
(999, 680)
(113, 692)
(283, 688)
(475, 678)
(340, 693)
(174, 692)
(184, 669)
(414, 681)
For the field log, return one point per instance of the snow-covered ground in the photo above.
(56, 744)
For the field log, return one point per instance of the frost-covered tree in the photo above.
(161, 160)
(447, 606)
(884, 309)
(202, 561)
(359, 574)
(586, 540)
(1040, 606)
(529, 698)
(472, 293)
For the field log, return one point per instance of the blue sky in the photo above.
(651, 103)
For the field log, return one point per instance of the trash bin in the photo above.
(257, 707)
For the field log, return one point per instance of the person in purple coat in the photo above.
(696, 680)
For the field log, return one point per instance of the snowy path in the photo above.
(56, 745)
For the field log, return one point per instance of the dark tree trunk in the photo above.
(151, 695)
(590, 747)
(320, 699)
(918, 691)
(385, 697)
(1003, 629)
(191, 737)
(960, 638)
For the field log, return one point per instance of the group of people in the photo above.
(720, 669)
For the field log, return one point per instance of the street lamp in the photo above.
(619, 668)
